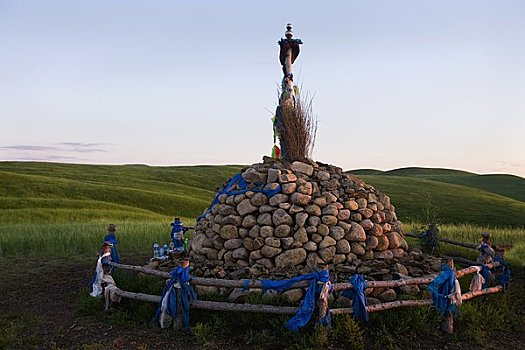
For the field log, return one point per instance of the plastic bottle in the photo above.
(165, 250)
(172, 247)
(186, 243)
(161, 252)
(156, 251)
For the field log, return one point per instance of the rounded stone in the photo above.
(327, 253)
(300, 219)
(282, 231)
(290, 258)
(329, 220)
(273, 242)
(266, 231)
(343, 247)
(327, 241)
(278, 199)
(270, 252)
(313, 210)
(310, 246)
(281, 217)
(357, 249)
(300, 235)
(337, 232)
(366, 224)
(323, 230)
(300, 199)
(231, 244)
(229, 232)
(259, 199)
(249, 221)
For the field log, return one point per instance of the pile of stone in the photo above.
(319, 215)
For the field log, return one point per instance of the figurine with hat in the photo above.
(111, 239)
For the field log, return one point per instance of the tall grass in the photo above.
(66, 239)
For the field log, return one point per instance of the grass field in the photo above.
(53, 217)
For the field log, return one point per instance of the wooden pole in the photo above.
(445, 240)
(216, 305)
(217, 282)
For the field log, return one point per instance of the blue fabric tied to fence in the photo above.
(307, 307)
(487, 275)
(357, 294)
(182, 276)
(115, 256)
(242, 186)
(441, 287)
(504, 278)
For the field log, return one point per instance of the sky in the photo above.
(394, 83)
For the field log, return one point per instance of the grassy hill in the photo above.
(54, 193)
(49, 192)
(506, 185)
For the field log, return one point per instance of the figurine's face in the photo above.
(185, 263)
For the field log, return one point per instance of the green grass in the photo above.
(453, 203)
(510, 186)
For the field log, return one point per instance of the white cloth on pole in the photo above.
(99, 271)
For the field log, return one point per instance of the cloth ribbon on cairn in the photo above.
(446, 291)
(238, 185)
(167, 309)
(357, 294)
(320, 287)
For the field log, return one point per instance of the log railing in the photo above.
(287, 310)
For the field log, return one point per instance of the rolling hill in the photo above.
(50, 192)
(506, 185)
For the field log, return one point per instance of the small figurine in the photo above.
(111, 238)
(177, 235)
(486, 252)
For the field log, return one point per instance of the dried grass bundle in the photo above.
(296, 127)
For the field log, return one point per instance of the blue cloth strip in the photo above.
(440, 288)
(306, 309)
(357, 294)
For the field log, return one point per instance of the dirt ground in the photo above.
(39, 302)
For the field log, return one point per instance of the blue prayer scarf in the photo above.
(357, 294)
(440, 288)
(182, 276)
(115, 256)
(306, 309)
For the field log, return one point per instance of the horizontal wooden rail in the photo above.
(287, 310)
(216, 305)
(217, 282)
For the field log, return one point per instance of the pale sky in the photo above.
(396, 83)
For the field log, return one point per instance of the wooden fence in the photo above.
(287, 310)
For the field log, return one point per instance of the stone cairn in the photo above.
(320, 215)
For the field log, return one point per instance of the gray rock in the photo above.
(330, 209)
(270, 252)
(229, 232)
(383, 243)
(293, 295)
(254, 231)
(344, 214)
(366, 224)
(317, 238)
(273, 175)
(310, 246)
(273, 242)
(400, 268)
(300, 219)
(288, 188)
(327, 253)
(327, 241)
(383, 255)
(282, 231)
(357, 248)
(410, 290)
(329, 220)
(361, 203)
(320, 202)
(323, 175)
(232, 244)
(249, 221)
(300, 167)
(251, 175)
(343, 247)
(306, 189)
(337, 232)
(248, 243)
(258, 199)
(266, 208)
(338, 259)
(286, 178)
(290, 258)
(300, 199)
(312, 260)
(393, 239)
(265, 219)
(371, 242)
(266, 231)
(258, 243)
(268, 263)
(356, 233)
(323, 230)
(313, 210)
(240, 253)
(294, 209)
(377, 230)
(314, 220)
(388, 295)
(287, 242)
(277, 199)
(300, 235)
(281, 217)
(285, 206)
(351, 205)
(232, 219)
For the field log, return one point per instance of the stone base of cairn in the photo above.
(319, 215)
